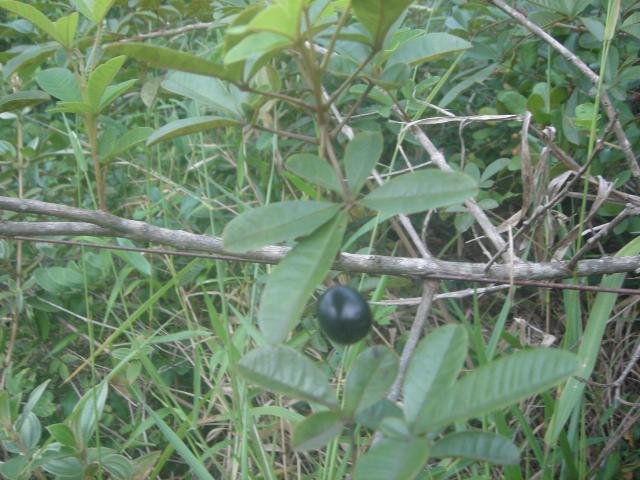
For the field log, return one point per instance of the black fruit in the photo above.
(344, 315)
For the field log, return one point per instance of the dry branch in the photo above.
(112, 225)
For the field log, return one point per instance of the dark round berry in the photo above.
(344, 316)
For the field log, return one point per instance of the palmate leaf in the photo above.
(284, 370)
(277, 222)
(419, 191)
(496, 385)
(293, 281)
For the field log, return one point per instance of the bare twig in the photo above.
(417, 329)
(373, 264)
(173, 32)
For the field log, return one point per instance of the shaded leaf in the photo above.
(419, 191)
(125, 142)
(433, 368)
(378, 16)
(66, 29)
(370, 377)
(393, 459)
(210, 92)
(428, 47)
(314, 169)
(481, 446)
(277, 222)
(114, 91)
(20, 100)
(284, 370)
(188, 126)
(167, 58)
(360, 158)
(316, 430)
(296, 277)
(498, 384)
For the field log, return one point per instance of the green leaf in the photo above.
(316, 430)
(33, 15)
(87, 413)
(167, 58)
(71, 107)
(196, 465)
(118, 466)
(589, 349)
(114, 91)
(64, 467)
(419, 191)
(94, 10)
(275, 223)
(256, 45)
(427, 48)
(296, 277)
(481, 446)
(187, 126)
(5, 409)
(34, 397)
(30, 431)
(314, 169)
(433, 368)
(135, 259)
(393, 459)
(283, 17)
(373, 416)
(66, 28)
(63, 434)
(20, 100)
(512, 101)
(60, 83)
(31, 55)
(360, 157)
(496, 385)
(125, 142)
(101, 78)
(210, 92)
(378, 16)
(370, 377)
(284, 370)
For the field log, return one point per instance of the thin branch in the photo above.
(372, 264)
(283, 133)
(165, 33)
(417, 329)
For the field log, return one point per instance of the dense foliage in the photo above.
(438, 145)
